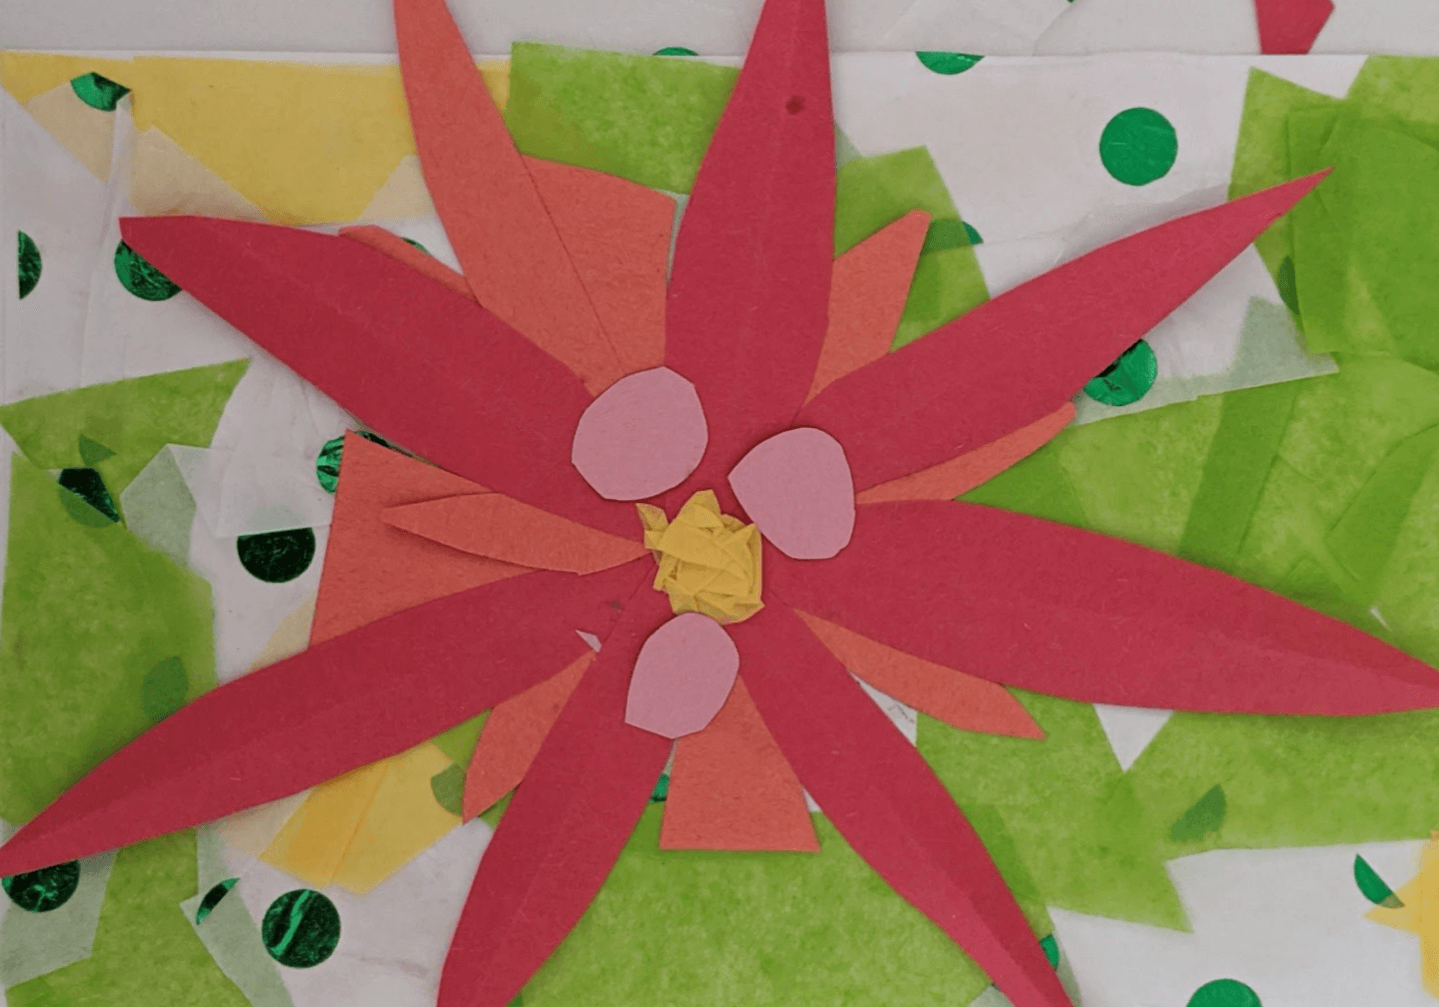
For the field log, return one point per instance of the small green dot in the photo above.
(1288, 283)
(301, 928)
(943, 234)
(43, 890)
(1051, 950)
(98, 92)
(1138, 146)
(327, 462)
(948, 63)
(28, 264)
(662, 788)
(975, 238)
(1224, 993)
(164, 689)
(140, 278)
(86, 498)
(213, 898)
(415, 244)
(1128, 379)
(277, 556)
(1373, 887)
(448, 786)
(1204, 817)
(675, 50)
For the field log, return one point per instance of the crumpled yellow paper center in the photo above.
(708, 562)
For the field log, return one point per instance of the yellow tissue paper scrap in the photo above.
(1419, 914)
(709, 562)
(87, 133)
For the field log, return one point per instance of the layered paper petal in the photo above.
(401, 250)
(887, 803)
(1067, 612)
(1018, 358)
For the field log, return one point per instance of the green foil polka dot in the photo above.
(1128, 379)
(675, 50)
(28, 264)
(213, 898)
(43, 890)
(1138, 146)
(948, 63)
(1374, 888)
(415, 244)
(164, 689)
(662, 788)
(86, 498)
(327, 462)
(1224, 993)
(448, 786)
(277, 556)
(1051, 950)
(98, 92)
(943, 234)
(140, 278)
(301, 928)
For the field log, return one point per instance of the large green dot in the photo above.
(675, 50)
(1224, 993)
(277, 556)
(140, 278)
(948, 63)
(301, 928)
(28, 264)
(1128, 379)
(43, 890)
(1138, 146)
(98, 92)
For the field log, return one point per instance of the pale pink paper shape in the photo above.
(682, 677)
(796, 486)
(645, 434)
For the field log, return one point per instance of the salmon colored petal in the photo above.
(618, 237)
(960, 700)
(401, 250)
(731, 789)
(501, 528)
(1019, 357)
(512, 255)
(512, 734)
(958, 476)
(867, 296)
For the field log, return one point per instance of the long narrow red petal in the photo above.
(1062, 611)
(421, 364)
(887, 803)
(749, 292)
(343, 703)
(565, 828)
(1021, 356)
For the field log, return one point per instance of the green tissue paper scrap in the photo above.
(33, 944)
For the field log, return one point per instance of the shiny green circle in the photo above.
(43, 890)
(948, 63)
(675, 50)
(1138, 146)
(277, 556)
(86, 499)
(98, 92)
(327, 463)
(301, 928)
(28, 264)
(214, 897)
(1224, 993)
(662, 788)
(1050, 946)
(1128, 379)
(140, 278)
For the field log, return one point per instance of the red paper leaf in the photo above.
(1067, 612)
(565, 828)
(1021, 356)
(883, 798)
(1290, 26)
(344, 703)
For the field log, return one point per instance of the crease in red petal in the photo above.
(1067, 612)
(344, 703)
(563, 831)
(887, 803)
(1022, 355)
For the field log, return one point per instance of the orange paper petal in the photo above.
(866, 297)
(503, 528)
(957, 476)
(512, 736)
(731, 789)
(398, 248)
(963, 701)
(373, 570)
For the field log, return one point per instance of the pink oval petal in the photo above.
(682, 677)
(797, 487)
(645, 434)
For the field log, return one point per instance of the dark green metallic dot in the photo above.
(944, 234)
(29, 264)
(277, 556)
(140, 278)
(98, 92)
(165, 688)
(1128, 379)
(1051, 950)
(43, 890)
(86, 499)
(675, 50)
(213, 898)
(1138, 146)
(301, 928)
(662, 788)
(948, 63)
(415, 244)
(1224, 993)
(327, 462)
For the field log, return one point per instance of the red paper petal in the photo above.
(343, 703)
(565, 828)
(749, 292)
(417, 259)
(887, 803)
(1062, 611)
(422, 365)
(1290, 26)
(1021, 356)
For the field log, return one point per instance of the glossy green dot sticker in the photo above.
(662, 788)
(301, 928)
(675, 50)
(1138, 146)
(277, 556)
(1128, 379)
(214, 897)
(140, 278)
(86, 499)
(948, 63)
(1224, 993)
(1374, 888)
(327, 464)
(98, 92)
(164, 689)
(1050, 946)
(43, 890)
(28, 264)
